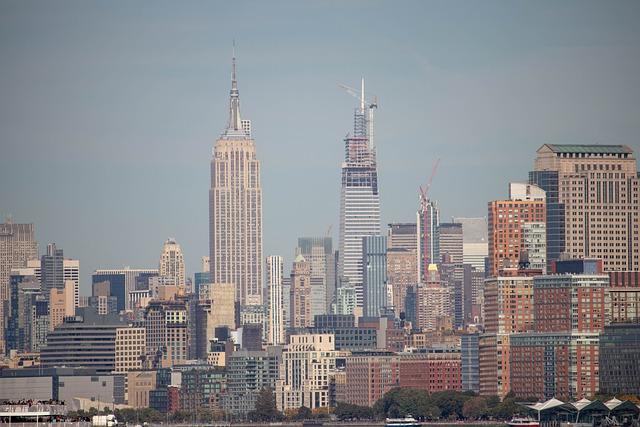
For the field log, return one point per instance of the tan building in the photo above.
(235, 208)
(301, 294)
(172, 263)
(62, 304)
(130, 349)
(223, 298)
(596, 203)
(433, 302)
(402, 272)
(139, 384)
(308, 365)
(526, 204)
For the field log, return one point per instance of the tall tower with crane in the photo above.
(428, 222)
(359, 197)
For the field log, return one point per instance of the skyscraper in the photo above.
(359, 198)
(301, 294)
(235, 207)
(593, 203)
(507, 218)
(17, 246)
(475, 246)
(374, 253)
(428, 219)
(451, 241)
(318, 251)
(172, 263)
(275, 316)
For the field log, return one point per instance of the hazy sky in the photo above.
(109, 109)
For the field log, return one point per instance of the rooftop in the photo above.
(589, 148)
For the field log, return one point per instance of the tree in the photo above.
(399, 402)
(475, 408)
(265, 407)
(302, 414)
(347, 411)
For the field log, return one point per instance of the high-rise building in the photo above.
(301, 294)
(593, 203)
(235, 208)
(275, 315)
(526, 204)
(130, 349)
(619, 352)
(451, 242)
(402, 235)
(61, 303)
(402, 272)
(172, 263)
(28, 322)
(51, 269)
(433, 305)
(428, 220)
(318, 251)
(475, 244)
(123, 282)
(374, 256)
(359, 198)
(574, 303)
(17, 246)
(167, 330)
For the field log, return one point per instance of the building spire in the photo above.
(234, 104)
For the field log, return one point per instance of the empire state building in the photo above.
(235, 207)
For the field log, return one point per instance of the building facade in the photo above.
(359, 199)
(275, 314)
(235, 208)
(172, 263)
(374, 258)
(594, 203)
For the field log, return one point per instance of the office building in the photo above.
(593, 198)
(359, 198)
(130, 349)
(171, 263)
(374, 258)
(470, 362)
(475, 242)
(61, 303)
(17, 246)
(301, 294)
(403, 235)
(428, 220)
(433, 305)
(624, 296)
(619, 353)
(85, 340)
(167, 332)
(202, 387)
(318, 251)
(402, 272)
(235, 208)
(123, 282)
(451, 242)
(534, 245)
(275, 312)
(526, 204)
(28, 322)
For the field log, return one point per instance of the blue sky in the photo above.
(109, 110)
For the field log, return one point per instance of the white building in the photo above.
(359, 199)
(275, 315)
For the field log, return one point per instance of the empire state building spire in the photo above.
(235, 124)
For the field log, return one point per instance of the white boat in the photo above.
(407, 421)
(523, 422)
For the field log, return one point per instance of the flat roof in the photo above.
(589, 148)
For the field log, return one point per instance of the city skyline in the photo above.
(162, 142)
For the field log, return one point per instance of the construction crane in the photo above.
(364, 103)
(424, 191)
